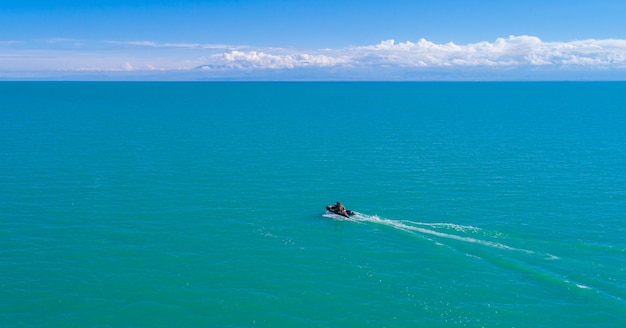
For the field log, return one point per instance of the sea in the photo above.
(202, 204)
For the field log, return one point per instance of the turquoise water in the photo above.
(202, 204)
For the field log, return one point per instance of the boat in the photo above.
(345, 213)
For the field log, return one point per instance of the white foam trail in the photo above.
(418, 227)
(429, 231)
(452, 226)
(551, 257)
(405, 227)
(342, 218)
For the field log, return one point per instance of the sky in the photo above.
(313, 40)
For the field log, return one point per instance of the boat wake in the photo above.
(438, 232)
(494, 247)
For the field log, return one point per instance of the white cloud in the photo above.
(10, 42)
(152, 44)
(62, 40)
(236, 59)
(513, 52)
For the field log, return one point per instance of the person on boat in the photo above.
(340, 208)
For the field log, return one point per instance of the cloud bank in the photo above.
(386, 60)
(504, 52)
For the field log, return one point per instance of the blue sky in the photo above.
(272, 39)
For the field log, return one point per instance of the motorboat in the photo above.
(335, 209)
